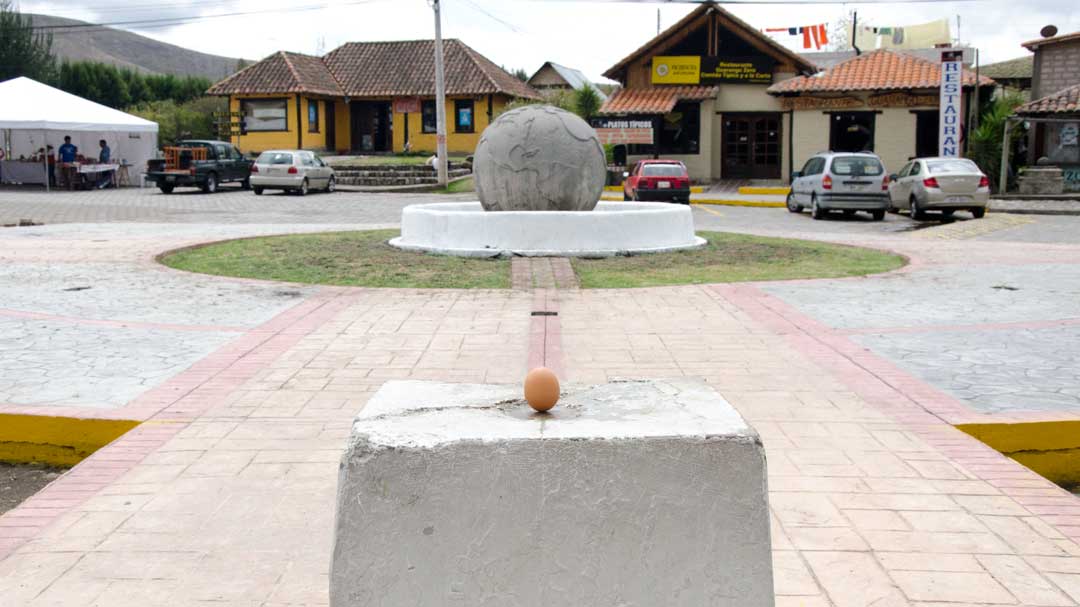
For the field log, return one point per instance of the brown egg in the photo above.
(541, 389)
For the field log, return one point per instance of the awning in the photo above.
(654, 100)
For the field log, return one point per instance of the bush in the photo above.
(986, 140)
(176, 121)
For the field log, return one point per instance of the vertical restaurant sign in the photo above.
(951, 87)
(711, 70)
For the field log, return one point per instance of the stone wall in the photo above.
(1057, 66)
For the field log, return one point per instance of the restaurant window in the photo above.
(680, 131)
(428, 119)
(463, 116)
(851, 131)
(265, 114)
(312, 116)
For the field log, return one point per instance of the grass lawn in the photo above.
(458, 187)
(363, 259)
(356, 259)
(735, 258)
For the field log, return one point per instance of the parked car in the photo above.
(657, 180)
(201, 164)
(940, 184)
(297, 171)
(842, 181)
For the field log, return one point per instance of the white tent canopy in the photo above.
(31, 105)
(34, 115)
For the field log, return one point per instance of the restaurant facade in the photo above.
(732, 104)
(366, 97)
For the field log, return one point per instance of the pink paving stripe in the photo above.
(121, 324)
(925, 410)
(545, 334)
(167, 410)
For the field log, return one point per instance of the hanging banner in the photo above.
(951, 86)
(623, 130)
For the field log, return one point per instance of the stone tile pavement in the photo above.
(224, 495)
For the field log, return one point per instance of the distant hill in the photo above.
(130, 50)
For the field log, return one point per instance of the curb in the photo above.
(694, 189)
(764, 191)
(56, 440)
(1057, 212)
(770, 204)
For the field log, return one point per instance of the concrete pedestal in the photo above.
(631, 494)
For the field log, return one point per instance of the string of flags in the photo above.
(813, 36)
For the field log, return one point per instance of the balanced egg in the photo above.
(541, 389)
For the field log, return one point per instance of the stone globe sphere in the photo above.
(539, 158)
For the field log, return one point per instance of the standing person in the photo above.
(68, 154)
(104, 157)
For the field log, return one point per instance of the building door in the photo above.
(751, 146)
(852, 131)
(331, 126)
(926, 133)
(371, 128)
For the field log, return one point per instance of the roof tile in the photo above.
(879, 70)
(282, 72)
(654, 100)
(1064, 101)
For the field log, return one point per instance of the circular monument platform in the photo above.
(612, 228)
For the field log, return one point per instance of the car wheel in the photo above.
(258, 191)
(947, 212)
(978, 213)
(331, 185)
(878, 215)
(303, 190)
(791, 206)
(849, 213)
(165, 189)
(210, 185)
(916, 212)
(815, 211)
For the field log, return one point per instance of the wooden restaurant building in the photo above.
(731, 103)
(367, 97)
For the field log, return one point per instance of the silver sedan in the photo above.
(940, 184)
(297, 171)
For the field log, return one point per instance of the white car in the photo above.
(297, 171)
(940, 184)
(840, 181)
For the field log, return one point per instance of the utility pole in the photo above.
(440, 100)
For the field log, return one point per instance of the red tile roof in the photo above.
(1064, 101)
(1034, 44)
(282, 72)
(376, 69)
(654, 100)
(779, 51)
(383, 69)
(879, 70)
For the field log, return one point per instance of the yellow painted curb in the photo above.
(738, 203)
(761, 191)
(694, 189)
(1052, 449)
(58, 441)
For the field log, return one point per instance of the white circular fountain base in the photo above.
(464, 229)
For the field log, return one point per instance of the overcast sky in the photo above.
(590, 36)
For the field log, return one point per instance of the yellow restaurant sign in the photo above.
(676, 70)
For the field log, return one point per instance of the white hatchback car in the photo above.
(840, 181)
(297, 171)
(940, 184)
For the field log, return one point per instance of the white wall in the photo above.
(894, 135)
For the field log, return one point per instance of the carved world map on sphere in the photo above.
(539, 158)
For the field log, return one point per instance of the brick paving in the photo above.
(224, 496)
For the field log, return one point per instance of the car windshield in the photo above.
(856, 166)
(274, 158)
(959, 165)
(663, 170)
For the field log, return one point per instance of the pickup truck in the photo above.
(199, 163)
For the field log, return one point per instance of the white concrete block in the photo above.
(631, 494)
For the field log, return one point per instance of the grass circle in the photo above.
(364, 259)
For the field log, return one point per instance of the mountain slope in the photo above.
(130, 50)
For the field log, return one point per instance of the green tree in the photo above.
(23, 52)
(189, 120)
(986, 141)
(586, 102)
(521, 75)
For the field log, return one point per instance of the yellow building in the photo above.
(367, 97)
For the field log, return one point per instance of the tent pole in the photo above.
(45, 155)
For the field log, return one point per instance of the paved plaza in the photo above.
(224, 496)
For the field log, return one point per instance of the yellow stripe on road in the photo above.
(739, 203)
(708, 210)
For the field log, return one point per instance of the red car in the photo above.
(657, 180)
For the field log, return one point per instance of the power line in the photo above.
(481, 9)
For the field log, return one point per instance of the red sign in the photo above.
(407, 105)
